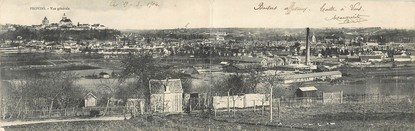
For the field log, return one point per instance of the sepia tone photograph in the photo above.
(263, 65)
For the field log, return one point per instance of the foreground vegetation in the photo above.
(347, 116)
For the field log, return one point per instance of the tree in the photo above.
(143, 67)
(235, 84)
(110, 87)
(273, 81)
(57, 87)
(254, 77)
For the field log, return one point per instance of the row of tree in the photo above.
(25, 33)
(50, 90)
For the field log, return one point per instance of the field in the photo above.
(159, 122)
(388, 114)
(348, 116)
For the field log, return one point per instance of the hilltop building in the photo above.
(45, 21)
(65, 22)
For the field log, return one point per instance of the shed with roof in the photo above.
(308, 91)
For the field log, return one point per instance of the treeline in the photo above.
(25, 33)
(52, 90)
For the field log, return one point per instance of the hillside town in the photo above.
(63, 69)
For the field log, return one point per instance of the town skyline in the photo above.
(217, 14)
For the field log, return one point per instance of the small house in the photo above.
(166, 95)
(401, 58)
(371, 58)
(342, 58)
(309, 91)
(135, 106)
(90, 100)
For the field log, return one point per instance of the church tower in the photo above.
(65, 22)
(45, 21)
(64, 16)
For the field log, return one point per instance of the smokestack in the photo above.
(307, 57)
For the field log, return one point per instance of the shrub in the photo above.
(94, 113)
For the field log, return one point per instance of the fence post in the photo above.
(254, 106)
(190, 104)
(263, 107)
(141, 107)
(234, 110)
(215, 112)
(341, 97)
(229, 108)
(279, 104)
(377, 95)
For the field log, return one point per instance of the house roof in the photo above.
(401, 56)
(370, 57)
(243, 66)
(318, 74)
(246, 59)
(190, 71)
(308, 88)
(90, 94)
(66, 20)
(165, 86)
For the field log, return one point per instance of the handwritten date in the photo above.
(129, 3)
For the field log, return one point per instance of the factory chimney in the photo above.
(307, 57)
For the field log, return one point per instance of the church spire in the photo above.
(64, 16)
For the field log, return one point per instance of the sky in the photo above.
(168, 14)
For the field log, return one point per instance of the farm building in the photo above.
(331, 75)
(195, 101)
(166, 95)
(90, 100)
(135, 106)
(241, 67)
(371, 58)
(401, 58)
(309, 91)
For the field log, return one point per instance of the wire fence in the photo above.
(229, 104)
(60, 113)
(277, 103)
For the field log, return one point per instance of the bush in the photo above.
(94, 113)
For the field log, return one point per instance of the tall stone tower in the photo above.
(307, 57)
(45, 21)
(64, 16)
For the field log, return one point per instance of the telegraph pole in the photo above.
(270, 105)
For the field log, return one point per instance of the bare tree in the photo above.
(273, 81)
(253, 78)
(143, 67)
(110, 87)
(56, 87)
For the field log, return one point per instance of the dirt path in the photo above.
(14, 123)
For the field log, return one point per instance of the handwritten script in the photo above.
(353, 12)
(133, 3)
(293, 8)
(261, 6)
(356, 18)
